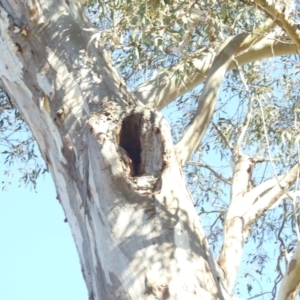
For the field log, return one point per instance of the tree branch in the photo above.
(206, 104)
(268, 199)
(225, 139)
(243, 211)
(290, 283)
(165, 88)
(194, 163)
(280, 14)
(242, 199)
(259, 190)
(248, 116)
(197, 17)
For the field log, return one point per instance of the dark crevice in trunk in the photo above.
(130, 141)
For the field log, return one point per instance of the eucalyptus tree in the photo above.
(89, 80)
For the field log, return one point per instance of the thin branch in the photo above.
(197, 17)
(260, 159)
(194, 163)
(214, 223)
(281, 241)
(259, 295)
(193, 135)
(294, 198)
(258, 282)
(226, 140)
(248, 116)
(221, 212)
(280, 274)
(268, 146)
(295, 214)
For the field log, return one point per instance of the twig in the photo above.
(194, 163)
(258, 295)
(221, 212)
(269, 149)
(248, 115)
(214, 223)
(226, 140)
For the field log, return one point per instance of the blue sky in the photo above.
(38, 259)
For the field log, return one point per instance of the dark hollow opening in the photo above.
(130, 140)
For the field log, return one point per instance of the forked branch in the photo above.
(264, 202)
(206, 104)
(282, 17)
(242, 213)
(165, 87)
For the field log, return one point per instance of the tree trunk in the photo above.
(112, 160)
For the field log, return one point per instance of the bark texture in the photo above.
(289, 288)
(113, 162)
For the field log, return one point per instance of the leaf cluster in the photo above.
(17, 146)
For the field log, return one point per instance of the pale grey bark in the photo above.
(113, 162)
